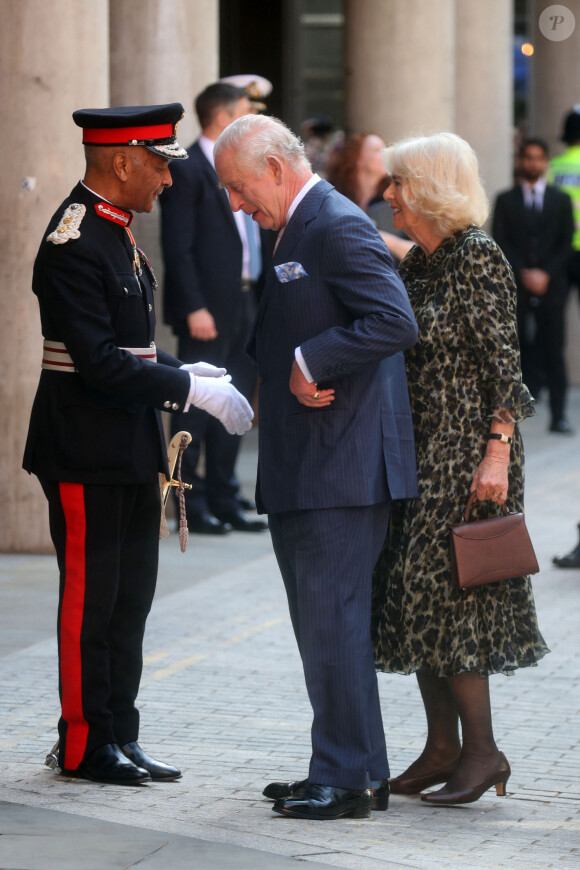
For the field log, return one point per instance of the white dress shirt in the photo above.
(534, 193)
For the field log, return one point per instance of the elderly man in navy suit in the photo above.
(335, 444)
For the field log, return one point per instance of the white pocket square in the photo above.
(290, 272)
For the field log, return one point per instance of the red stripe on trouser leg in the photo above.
(72, 498)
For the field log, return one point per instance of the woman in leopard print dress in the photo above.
(467, 399)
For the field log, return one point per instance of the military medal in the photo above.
(136, 259)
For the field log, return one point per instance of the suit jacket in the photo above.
(202, 247)
(555, 228)
(99, 423)
(351, 316)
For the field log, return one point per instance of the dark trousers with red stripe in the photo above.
(107, 543)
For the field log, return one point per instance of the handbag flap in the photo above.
(495, 527)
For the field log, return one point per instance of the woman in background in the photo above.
(356, 170)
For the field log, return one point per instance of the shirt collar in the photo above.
(207, 146)
(314, 179)
(538, 187)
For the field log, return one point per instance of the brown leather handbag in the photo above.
(485, 551)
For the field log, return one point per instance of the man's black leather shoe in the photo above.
(280, 790)
(206, 524)
(571, 559)
(562, 427)
(108, 764)
(241, 522)
(247, 504)
(326, 802)
(158, 770)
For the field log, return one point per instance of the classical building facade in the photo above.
(392, 66)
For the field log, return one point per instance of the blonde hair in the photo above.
(440, 180)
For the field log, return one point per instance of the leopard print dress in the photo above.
(464, 368)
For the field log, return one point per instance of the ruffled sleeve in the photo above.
(487, 291)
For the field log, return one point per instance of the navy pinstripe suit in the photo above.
(326, 476)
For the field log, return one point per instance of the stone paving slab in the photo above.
(66, 842)
(223, 696)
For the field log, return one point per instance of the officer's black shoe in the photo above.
(159, 771)
(326, 802)
(108, 764)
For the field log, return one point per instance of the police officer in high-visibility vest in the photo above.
(95, 439)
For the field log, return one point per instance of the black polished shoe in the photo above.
(571, 559)
(159, 771)
(280, 790)
(561, 427)
(327, 802)
(241, 522)
(247, 504)
(380, 789)
(206, 524)
(108, 764)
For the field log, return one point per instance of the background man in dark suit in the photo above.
(95, 439)
(335, 442)
(212, 264)
(533, 225)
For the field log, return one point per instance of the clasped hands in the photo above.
(306, 392)
(535, 281)
(213, 391)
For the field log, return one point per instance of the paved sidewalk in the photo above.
(223, 696)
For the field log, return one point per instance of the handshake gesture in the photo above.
(212, 390)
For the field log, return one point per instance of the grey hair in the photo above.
(254, 138)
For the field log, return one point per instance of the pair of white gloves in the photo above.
(211, 389)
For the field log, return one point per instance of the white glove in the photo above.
(204, 370)
(219, 397)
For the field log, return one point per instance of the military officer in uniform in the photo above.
(95, 439)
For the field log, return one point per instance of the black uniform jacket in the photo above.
(101, 423)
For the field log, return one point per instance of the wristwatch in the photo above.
(501, 436)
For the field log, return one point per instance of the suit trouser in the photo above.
(541, 330)
(326, 558)
(107, 543)
(218, 489)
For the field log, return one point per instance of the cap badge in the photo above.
(68, 226)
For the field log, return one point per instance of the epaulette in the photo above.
(68, 227)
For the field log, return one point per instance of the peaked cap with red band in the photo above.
(154, 127)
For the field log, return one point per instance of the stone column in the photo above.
(483, 87)
(53, 60)
(555, 71)
(162, 51)
(399, 66)
(555, 89)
